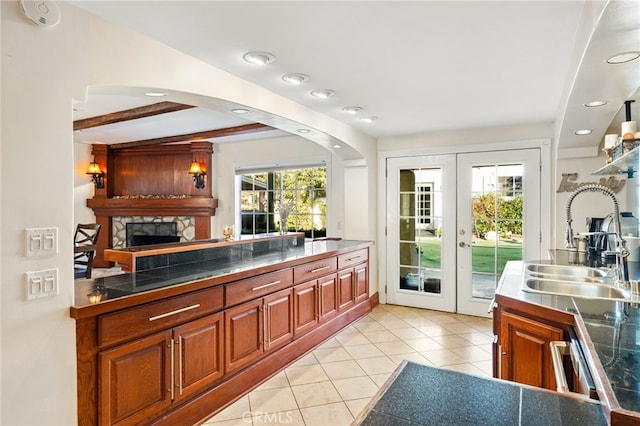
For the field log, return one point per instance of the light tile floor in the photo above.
(333, 383)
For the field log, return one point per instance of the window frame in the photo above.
(241, 174)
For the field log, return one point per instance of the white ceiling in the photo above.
(420, 66)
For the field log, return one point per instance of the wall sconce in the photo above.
(97, 175)
(198, 171)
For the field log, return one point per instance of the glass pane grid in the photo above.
(284, 200)
(497, 212)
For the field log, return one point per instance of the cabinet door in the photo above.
(526, 356)
(328, 289)
(134, 380)
(305, 307)
(198, 354)
(346, 293)
(243, 335)
(361, 278)
(278, 324)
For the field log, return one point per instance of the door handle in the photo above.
(462, 244)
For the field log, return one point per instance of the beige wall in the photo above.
(43, 71)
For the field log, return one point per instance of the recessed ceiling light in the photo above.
(623, 57)
(259, 58)
(240, 111)
(582, 132)
(155, 94)
(595, 104)
(352, 109)
(303, 130)
(295, 78)
(323, 94)
(336, 146)
(370, 119)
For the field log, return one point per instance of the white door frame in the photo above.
(547, 202)
(530, 159)
(445, 299)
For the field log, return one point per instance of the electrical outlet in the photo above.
(41, 283)
(41, 241)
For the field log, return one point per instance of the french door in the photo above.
(453, 221)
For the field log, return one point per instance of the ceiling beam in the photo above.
(130, 114)
(197, 136)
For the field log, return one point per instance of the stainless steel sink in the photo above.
(585, 290)
(582, 273)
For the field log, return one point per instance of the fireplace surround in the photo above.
(151, 181)
(144, 232)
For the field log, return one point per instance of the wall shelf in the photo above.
(625, 165)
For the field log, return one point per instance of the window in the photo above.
(424, 204)
(292, 199)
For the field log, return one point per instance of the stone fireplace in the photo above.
(125, 227)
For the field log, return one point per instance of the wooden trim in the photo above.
(192, 137)
(87, 370)
(130, 114)
(192, 206)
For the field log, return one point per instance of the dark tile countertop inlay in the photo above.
(423, 395)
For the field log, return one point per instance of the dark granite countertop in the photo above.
(613, 328)
(422, 395)
(227, 265)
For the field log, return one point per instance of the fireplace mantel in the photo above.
(132, 172)
(188, 206)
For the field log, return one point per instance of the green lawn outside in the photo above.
(484, 253)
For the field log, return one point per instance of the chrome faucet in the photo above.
(621, 250)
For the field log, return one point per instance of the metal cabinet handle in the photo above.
(319, 269)
(319, 301)
(492, 305)
(180, 365)
(177, 311)
(500, 355)
(172, 360)
(260, 287)
(559, 348)
(353, 258)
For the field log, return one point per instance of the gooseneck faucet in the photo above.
(621, 244)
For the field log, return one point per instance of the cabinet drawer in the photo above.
(250, 288)
(353, 258)
(316, 269)
(151, 317)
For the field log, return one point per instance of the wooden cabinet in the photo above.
(256, 327)
(353, 278)
(361, 278)
(522, 352)
(346, 290)
(178, 358)
(306, 307)
(328, 295)
(526, 355)
(243, 335)
(315, 302)
(140, 379)
(278, 319)
(198, 346)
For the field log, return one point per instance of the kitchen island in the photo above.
(176, 343)
(607, 332)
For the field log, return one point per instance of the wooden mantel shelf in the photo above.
(188, 206)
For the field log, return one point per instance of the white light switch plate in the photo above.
(41, 241)
(41, 283)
